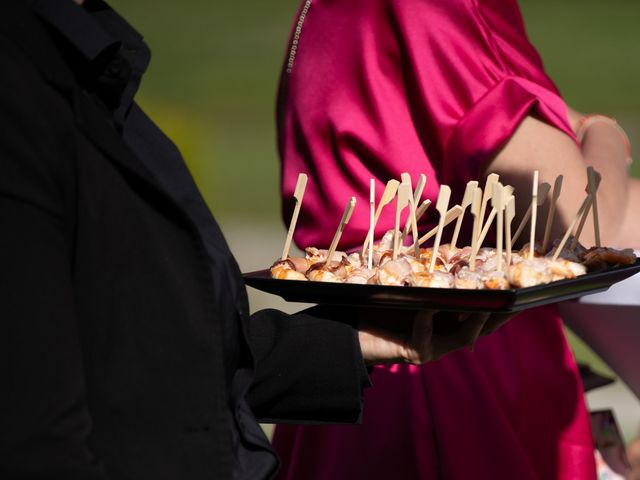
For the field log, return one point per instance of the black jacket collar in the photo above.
(24, 28)
(76, 25)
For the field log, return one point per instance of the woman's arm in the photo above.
(536, 145)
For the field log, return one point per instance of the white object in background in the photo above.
(626, 292)
(609, 322)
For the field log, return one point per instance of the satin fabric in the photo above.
(374, 88)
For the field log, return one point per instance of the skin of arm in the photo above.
(535, 145)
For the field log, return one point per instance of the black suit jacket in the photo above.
(127, 347)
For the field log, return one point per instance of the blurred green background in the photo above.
(215, 68)
(212, 82)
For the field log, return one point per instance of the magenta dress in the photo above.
(374, 88)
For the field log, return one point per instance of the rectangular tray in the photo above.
(447, 299)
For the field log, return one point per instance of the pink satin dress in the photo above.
(374, 88)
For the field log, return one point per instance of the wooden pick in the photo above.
(508, 190)
(413, 222)
(476, 206)
(543, 191)
(336, 238)
(402, 200)
(441, 207)
(417, 193)
(414, 227)
(557, 188)
(594, 182)
(298, 195)
(405, 177)
(419, 213)
(498, 204)
(510, 212)
(488, 191)
(388, 195)
(422, 209)
(581, 211)
(453, 213)
(466, 201)
(372, 214)
(534, 213)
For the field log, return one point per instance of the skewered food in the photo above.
(389, 262)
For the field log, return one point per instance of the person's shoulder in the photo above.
(27, 51)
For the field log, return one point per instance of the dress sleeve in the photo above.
(43, 415)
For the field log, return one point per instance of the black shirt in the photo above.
(109, 58)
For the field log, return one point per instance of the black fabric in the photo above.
(283, 391)
(124, 325)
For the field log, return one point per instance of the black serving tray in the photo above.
(448, 299)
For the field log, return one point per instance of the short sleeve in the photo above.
(492, 120)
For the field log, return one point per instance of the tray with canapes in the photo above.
(390, 273)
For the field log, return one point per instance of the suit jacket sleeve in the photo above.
(309, 368)
(44, 422)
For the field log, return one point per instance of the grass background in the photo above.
(212, 82)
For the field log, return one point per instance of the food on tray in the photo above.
(390, 262)
(451, 267)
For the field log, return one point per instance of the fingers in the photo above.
(495, 321)
(465, 334)
(419, 346)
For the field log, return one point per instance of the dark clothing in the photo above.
(127, 347)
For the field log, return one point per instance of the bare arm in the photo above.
(629, 234)
(538, 146)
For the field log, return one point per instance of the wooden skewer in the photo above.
(557, 188)
(441, 206)
(583, 207)
(466, 201)
(414, 227)
(402, 200)
(534, 213)
(298, 195)
(476, 206)
(510, 212)
(405, 178)
(372, 214)
(452, 214)
(336, 238)
(417, 194)
(543, 191)
(388, 195)
(488, 191)
(422, 182)
(592, 183)
(498, 203)
(420, 211)
(508, 191)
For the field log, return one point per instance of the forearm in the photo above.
(629, 235)
(604, 148)
(538, 146)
